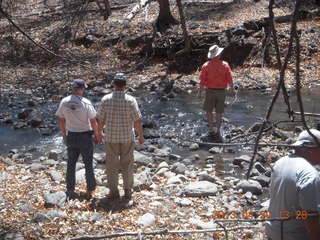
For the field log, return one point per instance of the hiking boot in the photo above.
(114, 195)
(72, 195)
(87, 195)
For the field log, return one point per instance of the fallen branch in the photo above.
(307, 114)
(137, 8)
(158, 232)
(44, 48)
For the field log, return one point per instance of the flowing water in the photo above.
(178, 119)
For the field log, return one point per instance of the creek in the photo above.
(177, 119)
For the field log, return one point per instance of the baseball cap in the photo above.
(79, 83)
(305, 139)
(120, 78)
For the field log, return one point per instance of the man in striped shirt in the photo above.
(119, 116)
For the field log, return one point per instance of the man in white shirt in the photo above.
(295, 192)
(77, 122)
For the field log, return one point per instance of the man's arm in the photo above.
(139, 130)
(94, 126)
(62, 126)
(100, 126)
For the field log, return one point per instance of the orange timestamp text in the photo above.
(251, 214)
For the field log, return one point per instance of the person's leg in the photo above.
(210, 121)
(126, 162)
(112, 167)
(73, 155)
(87, 155)
(208, 106)
(218, 121)
(220, 98)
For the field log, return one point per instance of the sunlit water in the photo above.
(177, 119)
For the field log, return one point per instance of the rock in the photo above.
(35, 122)
(149, 124)
(259, 167)
(255, 127)
(79, 166)
(250, 186)
(24, 114)
(142, 159)
(253, 25)
(206, 177)
(281, 134)
(202, 225)
(262, 179)
(215, 150)
(179, 179)
(163, 165)
(179, 168)
(163, 151)
(99, 157)
(54, 154)
(57, 214)
(194, 147)
(240, 161)
(13, 236)
(4, 176)
(96, 217)
(54, 199)
(151, 133)
(142, 181)
(174, 157)
(50, 162)
(146, 220)
(37, 167)
(183, 202)
(40, 217)
(55, 175)
(26, 208)
(200, 189)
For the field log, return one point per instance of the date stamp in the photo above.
(252, 214)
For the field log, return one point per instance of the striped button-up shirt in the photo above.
(118, 111)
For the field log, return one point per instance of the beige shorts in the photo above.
(214, 99)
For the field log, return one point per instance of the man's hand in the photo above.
(199, 94)
(141, 139)
(232, 90)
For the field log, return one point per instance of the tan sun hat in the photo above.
(305, 139)
(214, 51)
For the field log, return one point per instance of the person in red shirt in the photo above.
(215, 76)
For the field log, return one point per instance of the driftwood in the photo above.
(137, 8)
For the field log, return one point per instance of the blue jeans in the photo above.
(80, 143)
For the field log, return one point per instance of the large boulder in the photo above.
(200, 189)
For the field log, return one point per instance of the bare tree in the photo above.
(165, 18)
(187, 39)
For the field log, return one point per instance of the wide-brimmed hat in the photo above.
(79, 83)
(214, 51)
(305, 139)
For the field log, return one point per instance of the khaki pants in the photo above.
(119, 157)
(214, 99)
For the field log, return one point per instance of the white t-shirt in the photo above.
(295, 187)
(77, 111)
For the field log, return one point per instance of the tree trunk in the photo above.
(187, 40)
(165, 18)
